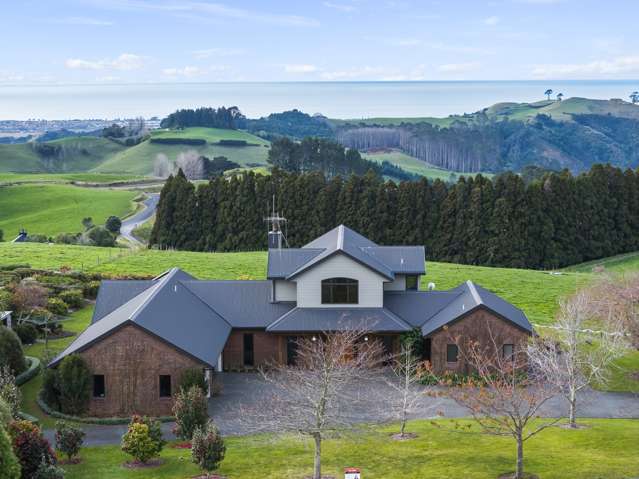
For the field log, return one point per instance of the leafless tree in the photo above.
(162, 168)
(504, 396)
(313, 397)
(27, 297)
(576, 353)
(192, 164)
(406, 395)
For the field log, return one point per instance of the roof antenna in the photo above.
(275, 233)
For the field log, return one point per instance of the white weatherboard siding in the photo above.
(285, 290)
(399, 284)
(309, 283)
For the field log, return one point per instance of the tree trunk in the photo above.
(519, 473)
(573, 409)
(403, 424)
(317, 471)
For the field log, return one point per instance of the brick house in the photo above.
(144, 334)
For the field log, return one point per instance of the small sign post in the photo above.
(352, 473)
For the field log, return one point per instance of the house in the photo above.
(144, 334)
(5, 318)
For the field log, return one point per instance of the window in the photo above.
(427, 344)
(412, 281)
(165, 386)
(291, 350)
(98, 386)
(508, 351)
(339, 291)
(248, 349)
(451, 353)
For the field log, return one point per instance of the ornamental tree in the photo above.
(207, 447)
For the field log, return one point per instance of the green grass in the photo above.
(606, 449)
(77, 154)
(139, 159)
(413, 165)
(623, 263)
(53, 209)
(67, 178)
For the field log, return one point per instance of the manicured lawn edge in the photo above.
(31, 372)
(108, 421)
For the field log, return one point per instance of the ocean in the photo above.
(346, 100)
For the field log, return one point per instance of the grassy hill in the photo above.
(623, 263)
(53, 209)
(139, 159)
(64, 178)
(73, 154)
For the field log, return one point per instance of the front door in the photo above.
(291, 350)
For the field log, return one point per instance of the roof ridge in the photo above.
(474, 292)
(281, 318)
(193, 293)
(340, 237)
(161, 283)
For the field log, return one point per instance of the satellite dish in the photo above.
(431, 286)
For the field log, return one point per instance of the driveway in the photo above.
(132, 222)
(247, 390)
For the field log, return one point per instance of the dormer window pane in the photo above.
(411, 281)
(340, 291)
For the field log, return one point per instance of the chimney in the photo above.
(275, 239)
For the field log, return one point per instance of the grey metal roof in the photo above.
(113, 294)
(169, 310)
(416, 307)
(339, 319)
(243, 304)
(400, 259)
(282, 262)
(470, 297)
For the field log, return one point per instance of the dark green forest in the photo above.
(222, 117)
(552, 222)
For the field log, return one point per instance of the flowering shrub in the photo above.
(155, 430)
(207, 447)
(68, 439)
(138, 443)
(191, 411)
(30, 447)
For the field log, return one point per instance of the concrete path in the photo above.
(132, 222)
(248, 389)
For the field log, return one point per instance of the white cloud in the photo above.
(7, 76)
(458, 67)
(626, 65)
(217, 52)
(491, 21)
(93, 22)
(340, 6)
(126, 61)
(187, 72)
(303, 68)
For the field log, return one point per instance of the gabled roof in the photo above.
(113, 294)
(170, 311)
(384, 260)
(339, 319)
(470, 297)
(416, 307)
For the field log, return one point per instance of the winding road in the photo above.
(132, 222)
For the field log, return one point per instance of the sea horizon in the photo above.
(334, 99)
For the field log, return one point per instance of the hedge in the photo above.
(178, 141)
(32, 371)
(105, 421)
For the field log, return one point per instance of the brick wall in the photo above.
(267, 348)
(131, 361)
(479, 326)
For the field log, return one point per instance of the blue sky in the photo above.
(97, 41)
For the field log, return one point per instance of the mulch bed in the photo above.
(511, 475)
(181, 445)
(579, 426)
(143, 465)
(212, 476)
(407, 436)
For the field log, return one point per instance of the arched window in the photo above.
(340, 291)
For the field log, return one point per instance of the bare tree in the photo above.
(192, 164)
(573, 356)
(162, 168)
(406, 395)
(504, 397)
(313, 397)
(27, 297)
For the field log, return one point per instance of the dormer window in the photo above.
(340, 291)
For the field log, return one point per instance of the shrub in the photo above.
(9, 391)
(100, 236)
(73, 297)
(9, 465)
(5, 300)
(113, 224)
(68, 439)
(66, 238)
(138, 443)
(51, 388)
(74, 381)
(6, 415)
(193, 377)
(207, 447)
(49, 471)
(27, 333)
(11, 354)
(90, 289)
(30, 447)
(155, 429)
(190, 410)
(57, 306)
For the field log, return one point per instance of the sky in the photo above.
(141, 41)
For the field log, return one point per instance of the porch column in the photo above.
(219, 363)
(209, 379)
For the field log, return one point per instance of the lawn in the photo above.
(66, 178)
(139, 159)
(53, 209)
(606, 449)
(623, 263)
